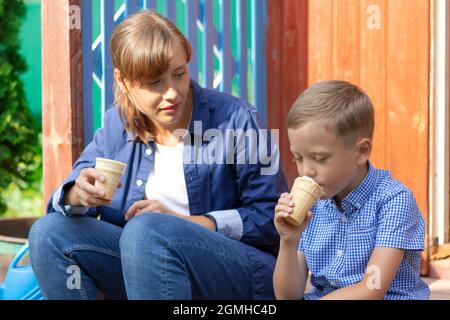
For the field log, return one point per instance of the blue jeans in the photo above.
(155, 256)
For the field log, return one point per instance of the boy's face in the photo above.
(319, 154)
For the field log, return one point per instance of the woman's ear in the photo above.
(119, 80)
(364, 149)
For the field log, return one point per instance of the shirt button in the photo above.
(139, 183)
(148, 151)
(339, 253)
(333, 284)
(343, 219)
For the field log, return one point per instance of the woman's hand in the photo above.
(84, 192)
(143, 206)
(148, 206)
(289, 233)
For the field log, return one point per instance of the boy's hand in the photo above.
(289, 233)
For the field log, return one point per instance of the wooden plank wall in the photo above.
(287, 64)
(62, 98)
(315, 40)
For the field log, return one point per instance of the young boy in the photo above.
(364, 238)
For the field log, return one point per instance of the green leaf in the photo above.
(20, 146)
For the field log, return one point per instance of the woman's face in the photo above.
(165, 99)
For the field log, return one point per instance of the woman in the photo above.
(188, 221)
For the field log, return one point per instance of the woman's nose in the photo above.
(170, 93)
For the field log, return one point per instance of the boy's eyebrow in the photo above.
(182, 66)
(324, 153)
(314, 153)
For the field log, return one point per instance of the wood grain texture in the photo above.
(287, 63)
(62, 94)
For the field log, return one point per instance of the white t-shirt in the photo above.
(166, 183)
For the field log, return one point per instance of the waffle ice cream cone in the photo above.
(113, 171)
(305, 192)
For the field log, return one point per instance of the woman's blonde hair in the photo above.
(346, 109)
(141, 48)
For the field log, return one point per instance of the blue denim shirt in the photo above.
(227, 185)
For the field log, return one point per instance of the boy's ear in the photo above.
(364, 149)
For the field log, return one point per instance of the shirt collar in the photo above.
(358, 196)
(200, 112)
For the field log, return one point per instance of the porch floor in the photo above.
(440, 288)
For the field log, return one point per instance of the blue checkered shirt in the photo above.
(380, 212)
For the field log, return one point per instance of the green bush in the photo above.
(20, 148)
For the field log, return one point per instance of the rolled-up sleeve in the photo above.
(56, 202)
(86, 160)
(229, 223)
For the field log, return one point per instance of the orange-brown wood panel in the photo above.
(407, 84)
(320, 40)
(62, 99)
(380, 45)
(346, 40)
(287, 59)
(373, 70)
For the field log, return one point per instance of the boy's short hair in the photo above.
(342, 105)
